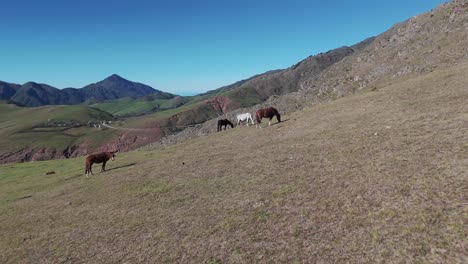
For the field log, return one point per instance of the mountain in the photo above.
(7, 90)
(433, 40)
(285, 81)
(113, 87)
(429, 41)
(35, 94)
(260, 87)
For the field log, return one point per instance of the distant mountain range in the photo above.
(113, 87)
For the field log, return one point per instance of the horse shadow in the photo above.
(115, 168)
(282, 121)
(122, 166)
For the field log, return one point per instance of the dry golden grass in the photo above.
(380, 176)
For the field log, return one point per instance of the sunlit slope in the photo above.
(139, 106)
(380, 176)
(48, 127)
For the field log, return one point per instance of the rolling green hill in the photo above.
(379, 176)
(138, 106)
(128, 107)
(52, 129)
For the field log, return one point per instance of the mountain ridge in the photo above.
(112, 87)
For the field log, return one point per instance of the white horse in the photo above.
(247, 117)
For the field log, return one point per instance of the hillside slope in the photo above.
(245, 93)
(380, 176)
(429, 41)
(7, 90)
(40, 133)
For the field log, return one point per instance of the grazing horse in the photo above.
(245, 117)
(269, 112)
(225, 123)
(98, 158)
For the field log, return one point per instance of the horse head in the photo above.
(258, 116)
(113, 152)
(112, 155)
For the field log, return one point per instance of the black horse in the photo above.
(225, 123)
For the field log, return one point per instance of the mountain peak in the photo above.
(115, 77)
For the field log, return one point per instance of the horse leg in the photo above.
(103, 167)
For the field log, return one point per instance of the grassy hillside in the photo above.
(53, 127)
(197, 109)
(380, 176)
(131, 106)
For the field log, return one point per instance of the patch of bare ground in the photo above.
(377, 177)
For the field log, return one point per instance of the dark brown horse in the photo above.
(269, 112)
(225, 123)
(98, 158)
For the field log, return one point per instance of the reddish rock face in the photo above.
(133, 139)
(128, 140)
(222, 104)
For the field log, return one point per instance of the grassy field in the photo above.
(377, 177)
(29, 127)
(192, 113)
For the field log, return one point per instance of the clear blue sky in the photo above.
(183, 47)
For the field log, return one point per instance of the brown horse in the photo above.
(102, 157)
(269, 112)
(225, 123)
